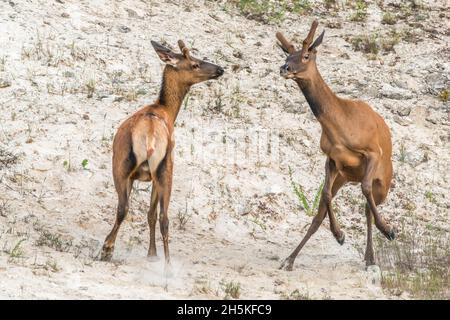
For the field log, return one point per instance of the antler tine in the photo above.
(183, 49)
(286, 45)
(310, 36)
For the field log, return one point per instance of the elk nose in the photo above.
(220, 71)
(284, 69)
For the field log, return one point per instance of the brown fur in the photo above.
(355, 139)
(143, 145)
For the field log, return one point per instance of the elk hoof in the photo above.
(370, 262)
(341, 239)
(390, 234)
(287, 265)
(107, 254)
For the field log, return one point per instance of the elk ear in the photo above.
(165, 54)
(317, 42)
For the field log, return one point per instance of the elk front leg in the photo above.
(367, 185)
(317, 221)
(369, 256)
(152, 217)
(163, 184)
(123, 191)
(333, 182)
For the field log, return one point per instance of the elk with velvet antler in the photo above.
(355, 139)
(143, 145)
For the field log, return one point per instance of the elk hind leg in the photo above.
(123, 188)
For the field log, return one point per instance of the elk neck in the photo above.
(172, 92)
(322, 101)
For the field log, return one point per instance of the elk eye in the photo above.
(195, 66)
(306, 56)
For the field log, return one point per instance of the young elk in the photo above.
(355, 139)
(143, 145)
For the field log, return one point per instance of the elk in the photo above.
(355, 139)
(143, 145)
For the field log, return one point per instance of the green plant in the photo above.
(66, 165)
(360, 13)
(430, 196)
(17, 251)
(444, 95)
(54, 241)
(85, 163)
(183, 217)
(7, 159)
(308, 206)
(90, 87)
(232, 289)
(389, 18)
(295, 295)
(366, 44)
(417, 262)
(403, 153)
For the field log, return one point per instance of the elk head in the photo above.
(190, 70)
(300, 64)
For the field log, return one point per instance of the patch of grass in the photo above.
(232, 289)
(295, 295)
(2, 63)
(416, 262)
(16, 251)
(54, 241)
(268, 11)
(90, 87)
(366, 44)
(360, 13)
(7, 159)
(444, 95)
(389, 18)
(183, 217)
(310, 207)
(430, 196)
(4, 208)
(402, 153)
(84, 164)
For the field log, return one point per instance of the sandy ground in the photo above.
(236, 138)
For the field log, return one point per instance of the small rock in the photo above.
(274, 189)
(396, 93)
(4, 83)
(402, 121)
(404, 111)
(131, 13)
(85, 116)
(65, 15)
(124, 29)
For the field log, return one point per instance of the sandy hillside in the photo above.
(72, 70)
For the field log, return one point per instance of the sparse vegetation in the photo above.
(268, 11)
(16, 251)
(444, 95)
(232, 289)
(295, 295)
(310, 207)
(90, 87)
(416, 263)
(389, 18)
(54, 241)
(360, 13)
(84, 164)
(7, 159)
(183, 217)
